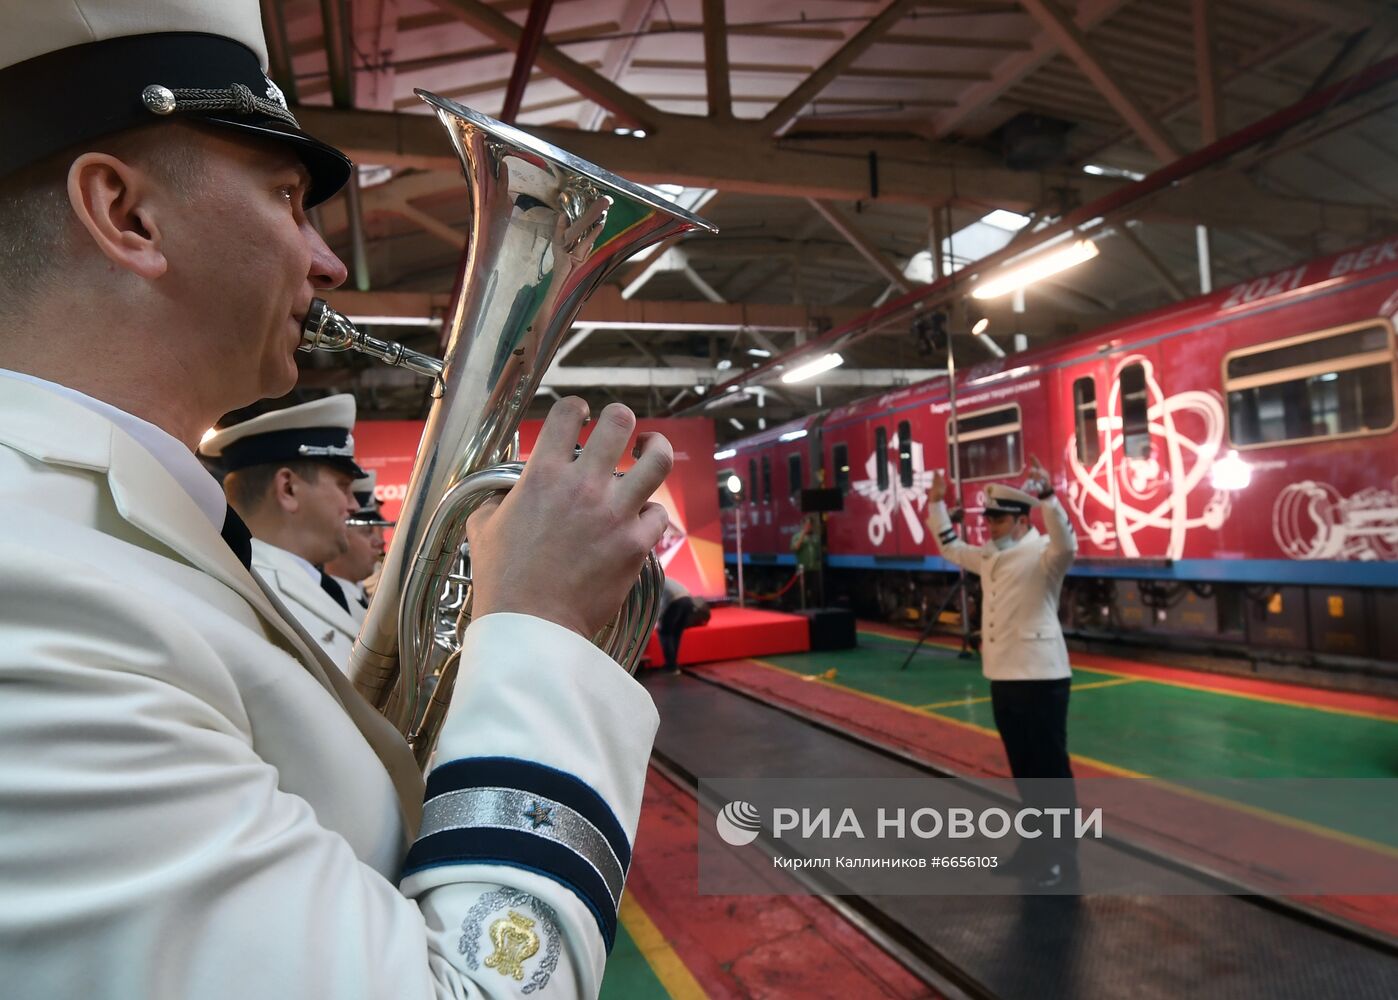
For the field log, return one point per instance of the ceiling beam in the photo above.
(706, 154)
(525, 55)
(427, 223)
(703, 154)
(587, 82)
(716, 60)
(1205, 71)
(808, 89)
(279, 50)
(1012, 70)
(1059, 25)
(634, 20)
(857, 239)
(1176, 290)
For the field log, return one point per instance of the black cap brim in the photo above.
(329, 168)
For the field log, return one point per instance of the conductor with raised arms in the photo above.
(194, 802)
(1023, 653)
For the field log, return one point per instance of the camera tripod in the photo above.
(936, 617)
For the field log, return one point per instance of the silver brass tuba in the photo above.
(547, 228)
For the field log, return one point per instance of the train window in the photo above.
(1323, 385)
(905, 453)
(1089, 444)
(750, 487)
(988, 443)
(793, 474)
(881, 457)
(766, 479)
(1135, 412)
(839, 458)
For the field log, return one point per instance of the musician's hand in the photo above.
(567, 542)
(937, 492)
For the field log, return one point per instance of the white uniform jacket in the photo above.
(1021, 639)
(289, 578)
(195, 803)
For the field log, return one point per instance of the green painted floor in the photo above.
(628, 975)
(1155, 728)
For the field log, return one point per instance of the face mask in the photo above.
(1004, 542)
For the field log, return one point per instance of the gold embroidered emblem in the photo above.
(515, 943)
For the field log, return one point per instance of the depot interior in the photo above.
(920, 193)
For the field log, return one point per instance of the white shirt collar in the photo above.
(301, 561)
(177, 459)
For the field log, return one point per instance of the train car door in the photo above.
(879, 485)
(844, 531)
(791, 479)
(911, 478)
(1081, 461)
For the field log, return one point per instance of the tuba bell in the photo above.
(547, 228)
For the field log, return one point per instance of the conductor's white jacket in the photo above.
(195, 803)
(1021, 639)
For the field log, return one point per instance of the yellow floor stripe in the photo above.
(668, 967)
(1121, 772)
(1357, 713)
(959, 702)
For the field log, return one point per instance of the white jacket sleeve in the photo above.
(147, 850)
(1063, 542)
(949, 543)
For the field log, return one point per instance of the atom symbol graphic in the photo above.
(1151, 490)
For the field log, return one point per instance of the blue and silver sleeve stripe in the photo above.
(518, 813)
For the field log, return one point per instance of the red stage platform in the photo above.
(737, 633)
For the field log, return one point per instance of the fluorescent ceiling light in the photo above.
(981, 325)
(1001, 219)
(638, 133)
(719, 456)
(792, 436)
(394, 320)
(724, 364)
(758, 352)
(999, 376)
(738, 425)
(1041, 267)
(1102, 170)
(813, 368)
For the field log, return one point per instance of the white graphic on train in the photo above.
(1151, 489)
(1312, 520)
(910, 501)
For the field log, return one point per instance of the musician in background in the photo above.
(194, 801)
(288, 474)
(678, 611)
(366, 546)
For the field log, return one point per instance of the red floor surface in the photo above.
(738, 633)
(777, 947)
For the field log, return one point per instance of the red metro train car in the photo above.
(1234, 457)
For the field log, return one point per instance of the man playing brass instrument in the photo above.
(194, 802)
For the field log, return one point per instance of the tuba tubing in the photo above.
(546, 229)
